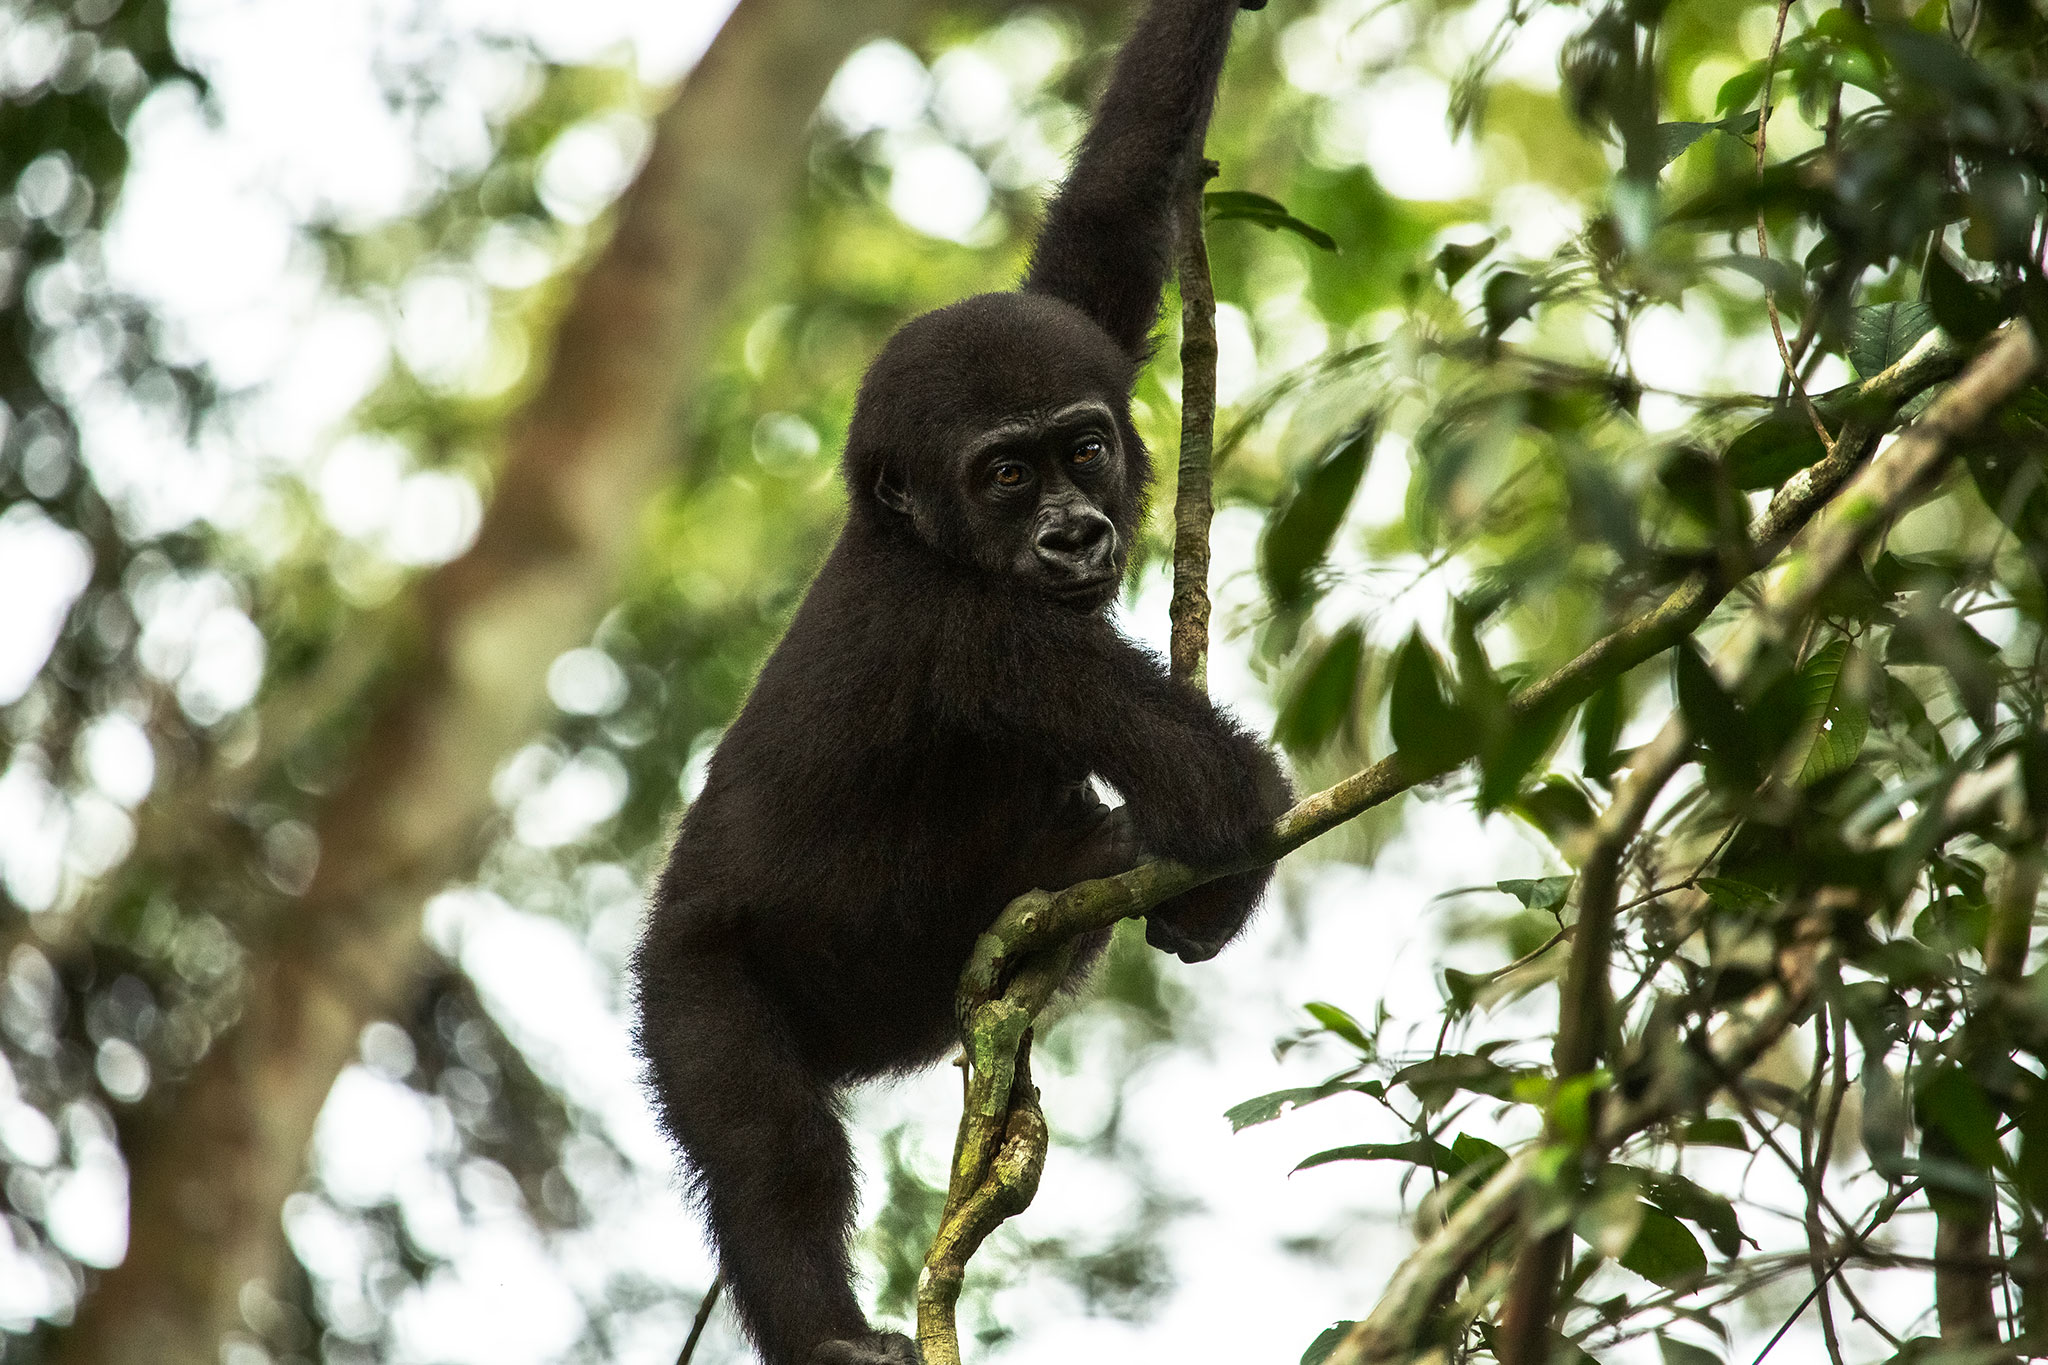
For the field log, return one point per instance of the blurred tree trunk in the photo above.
(211, 1171)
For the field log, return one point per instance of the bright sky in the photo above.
(206, 230)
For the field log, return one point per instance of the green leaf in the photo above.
(1557, 806)
(1341, 1024)
(1322, 697)
(1715, 718)
(1455, 260)
(1833, 722)
(1883, 1125)
(1965, 310)
(1674, 138)
(1477, 1158)
(1461, 991)
(1716, 1133)
(1425, 726)
(2030, 1169)
(1599, 731)
(1266, 1108)
(1881, 334)
(1299, 534)
(1538, 893)
(1437, 1079)
(1270, 214)
(1326, 1342)
(1509, 297)
(1737, 896)
(1678, 1352)
(1773, 450)
(1950, 1101)
(1681, 1198)
(1419, 1152)
(1935, 635)
(1664, 1251)
(1738, 90)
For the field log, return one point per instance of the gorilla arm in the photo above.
(1107, 242)
(1199, 789)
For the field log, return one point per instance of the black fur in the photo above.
(916, 751)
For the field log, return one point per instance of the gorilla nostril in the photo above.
(1075, 537)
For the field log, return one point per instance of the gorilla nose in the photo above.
(1080, 544)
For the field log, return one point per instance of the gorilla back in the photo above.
(917, 750)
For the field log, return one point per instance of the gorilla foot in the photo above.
(876, 1348)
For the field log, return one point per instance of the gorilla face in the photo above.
(1039, 491)
(997, 431)
(1035, 495)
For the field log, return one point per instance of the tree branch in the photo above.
(1963, 1264)
(1193, 505)
(1583, 1023)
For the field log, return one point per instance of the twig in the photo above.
(1193, 504)
(1583, 1010)
(1817, 1151)
(1878, 1217)
(704, 1308)
(1763, 240)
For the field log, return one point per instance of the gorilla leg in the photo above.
(769, 1159)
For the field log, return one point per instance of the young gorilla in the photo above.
(917, 750)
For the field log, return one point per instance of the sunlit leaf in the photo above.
(1339, 1023)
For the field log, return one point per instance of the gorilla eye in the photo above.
(1010, 474)
(1089, 450)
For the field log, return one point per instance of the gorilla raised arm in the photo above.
(917, 750)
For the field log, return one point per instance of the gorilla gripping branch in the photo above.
(1019, 960)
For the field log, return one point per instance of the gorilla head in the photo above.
(998, 433)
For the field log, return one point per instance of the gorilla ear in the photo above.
(891, 492)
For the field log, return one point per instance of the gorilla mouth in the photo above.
(1082, 589)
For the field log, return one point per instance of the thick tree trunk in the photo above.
(211, 1173)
